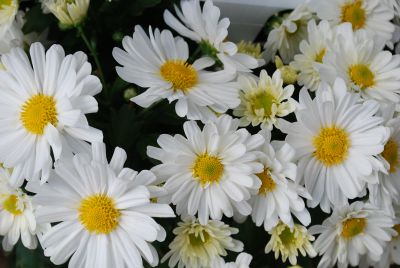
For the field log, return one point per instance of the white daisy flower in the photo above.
(373, 16)
(197, 245)
(360, 61)
(336, 138)
(159, 63)
(287, 36)
(313, 51)
(387, 191)
(17, 216)
(289, 241)
(70, 13)
(243, 260)
(263, 100)
(205, 27)
(351, 232)
(101, 212)
(8, 10)
(209, 172)
(44, 107)
(279, 195)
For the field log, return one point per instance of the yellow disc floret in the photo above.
(391, 155)
(10, 205)
(267, 183)
(208, 169)
(353, 227)
(37, 112)
(362, 76)
(331, 146)
(180, 74)
(355, 14)
(319, 57)
(98, 214)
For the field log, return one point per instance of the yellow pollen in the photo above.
(180, 74)
(391, 155)
(355, 14)
(10, 205)
(362, 76)
(37, 112)
(208, 169)
(263, 100)
(267, 183)
(331, 146)
(396, 227)
(353, 227)
(320, 56)
(199, 239)
(98, 214)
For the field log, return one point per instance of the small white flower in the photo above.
(197, 245)
(337, 138)
(205, 27)
(279, 195)
(8, 10)
(263, 100)
(70, 13)
(44, 105)
(210, 171)
(373, 16)
(287, 37)
(159, 63)
(101, 212)
(352, 232)
(288, 241)
(243, 260)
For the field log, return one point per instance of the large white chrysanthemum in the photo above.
(44, 107)
(360, 61)
(373, 16)
(263, 100)
(287, 36)
(209, 172)
(243, 260)
(313, 51)
(205, 27)
(279, 195)
(8, 10)
(17, 216)
(337, 138)
(101, 212)
(352, 232)
(197, 245)
(159, 63)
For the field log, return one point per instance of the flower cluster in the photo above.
(261, 144)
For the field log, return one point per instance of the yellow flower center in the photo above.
(287, 237)
(362, 76)
(10, 205)
(355, 14)
(331, 146)
(37, 112)
(180, 74)
(208, 169)
(267, 183)
(320, 55)
(250, 48)
(396, 227)
(199, 239)
(5, 3)
(98, 214)
(391, 155)
(353, 227)
(264, 101)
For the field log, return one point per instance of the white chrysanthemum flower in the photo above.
(243, 260)
(263, 100)
(210, 171)
(205, 27)
(393, 5)
(159, 63)
(17, 216)
(337, 138)
(8, 10)
(373, 16)
(101, 212)
(351, 232)
(44, 107)
(313, 50)
(70, 13)
(360, 61)
(287, 242)
(387, 191)
(279, 195)
(287, 37)
(197, 245)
